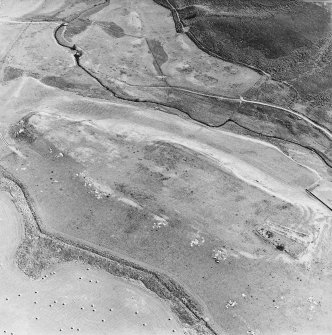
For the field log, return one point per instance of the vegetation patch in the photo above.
(76, 27)
(112, 29)
(11, 73)
(291, 40)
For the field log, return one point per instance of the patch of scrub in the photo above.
(196, 239)
(63, 83)
(158, 51)
(112, 29)
(76, 27)
(11, 73)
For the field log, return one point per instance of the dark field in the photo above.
(291, 40)
(267, 34)
(11, 73)
(76, 27)
(112, 29)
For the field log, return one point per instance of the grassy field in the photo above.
(170, 207)
(145, 184)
